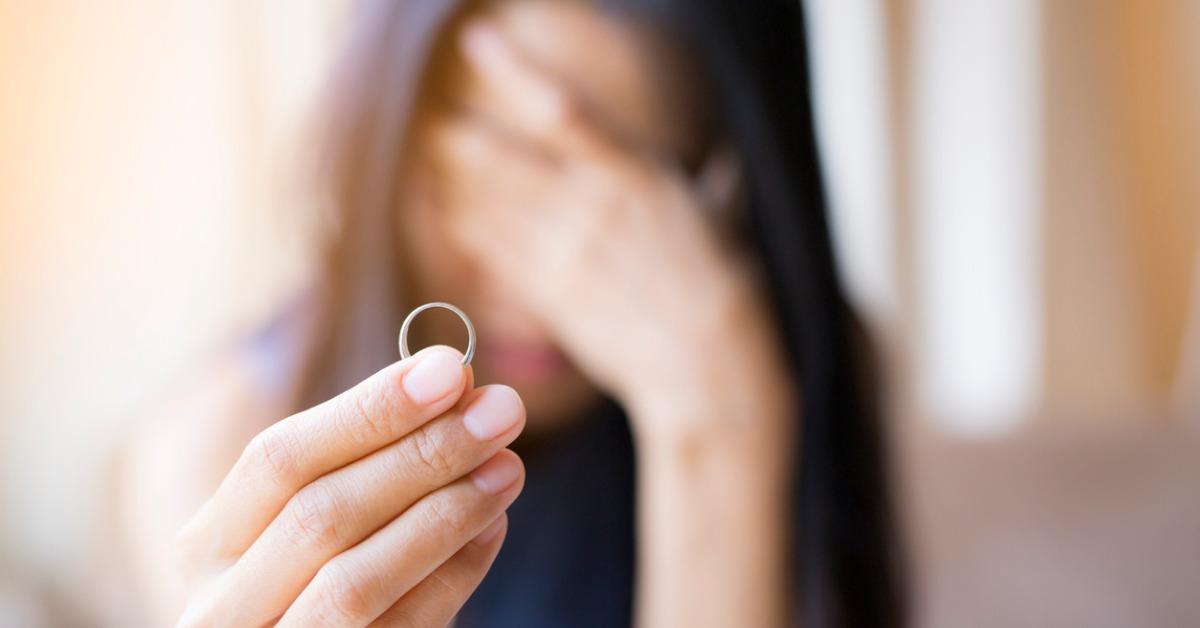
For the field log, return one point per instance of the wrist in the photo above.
(713, 500)
(746, 391)
(746, 420)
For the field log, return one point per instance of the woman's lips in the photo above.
(523, 361)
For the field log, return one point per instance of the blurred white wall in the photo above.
(1015, 200)
(146, 159)
(930, 119)
(976, 191)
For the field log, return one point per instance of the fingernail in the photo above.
(493, 413)
(496, 474)
(436, 374)
(491, 532)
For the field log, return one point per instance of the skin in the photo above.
(384, 503)
(548, 181)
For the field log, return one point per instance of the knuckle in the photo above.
(314, 517)
(361, 422)
(272, 451)
(449, 515)
(344, 595)
(425, 451)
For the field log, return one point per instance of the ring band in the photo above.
(404, 353)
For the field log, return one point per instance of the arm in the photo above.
(713, 520)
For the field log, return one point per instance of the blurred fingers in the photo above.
(541, 108)
(476, 162)
(500, 203)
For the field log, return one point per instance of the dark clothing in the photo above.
(569, 555)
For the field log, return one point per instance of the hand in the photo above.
(609, 246)
(382, 506)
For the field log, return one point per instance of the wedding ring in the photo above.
(404, 353)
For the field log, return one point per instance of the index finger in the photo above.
(541, 108)
(297, 450)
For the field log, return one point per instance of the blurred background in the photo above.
(1015, 187)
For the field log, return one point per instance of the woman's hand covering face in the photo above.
(613, 247)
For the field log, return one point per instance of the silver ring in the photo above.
(404, 353)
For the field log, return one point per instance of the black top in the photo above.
(569, 554)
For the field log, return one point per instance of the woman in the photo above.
(624, 195)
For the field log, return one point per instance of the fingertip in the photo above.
(495, 411)
(436, 373)
(500, 474)
(442, 348)
(494, 532)
(459, 356)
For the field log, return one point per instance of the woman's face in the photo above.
(620, 73)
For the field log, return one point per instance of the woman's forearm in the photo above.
(713, 521)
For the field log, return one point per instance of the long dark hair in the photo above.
(846, 549)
